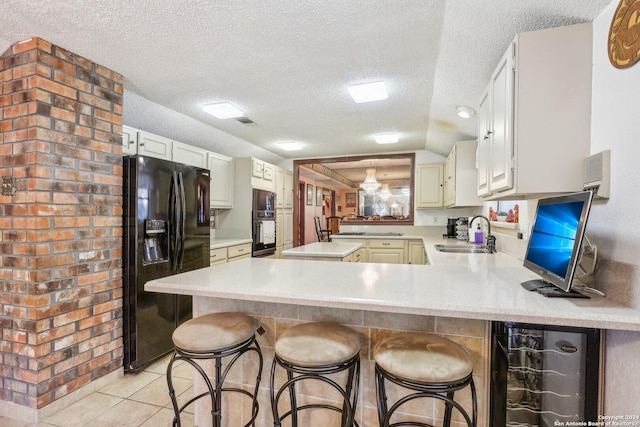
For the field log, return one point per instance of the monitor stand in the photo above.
(532, 285)
(549, 290)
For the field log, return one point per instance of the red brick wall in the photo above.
(61, 232)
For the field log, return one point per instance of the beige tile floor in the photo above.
(133, 400)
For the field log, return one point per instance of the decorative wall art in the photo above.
(309, 195)
(319, 192)
(624, 43)
(350, 199)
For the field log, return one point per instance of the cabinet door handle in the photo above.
(213, 256)
(240, 250)
(386, 244)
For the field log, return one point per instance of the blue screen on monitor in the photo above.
(553, 236)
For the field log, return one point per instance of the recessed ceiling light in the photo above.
(465, 112)
(366, 92)
(289, 145)
(386, 138)
(223, 110)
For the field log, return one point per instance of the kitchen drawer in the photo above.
(239, 250)
(386, 243)
(217, 256)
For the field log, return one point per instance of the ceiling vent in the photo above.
(245, 120)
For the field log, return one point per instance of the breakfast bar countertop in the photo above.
(477, 286)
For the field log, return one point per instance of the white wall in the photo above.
(614, 223)
(614, 126)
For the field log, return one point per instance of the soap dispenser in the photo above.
(479, 236)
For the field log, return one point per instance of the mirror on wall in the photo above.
(377, 189)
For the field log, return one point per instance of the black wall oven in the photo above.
(264, 223)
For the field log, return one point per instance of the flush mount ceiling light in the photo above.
(223, 110)
(289, 145)
(367, 92)
(370, 184)
(465, 112)
(386, 138)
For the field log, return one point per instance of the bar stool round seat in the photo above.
(431, 366)
(215, 336)
(315, 350)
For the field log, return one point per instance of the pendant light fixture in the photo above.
(384, 194)
(370, 184)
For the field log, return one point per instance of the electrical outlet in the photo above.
(435, 219)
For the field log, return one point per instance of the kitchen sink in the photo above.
(462, 249)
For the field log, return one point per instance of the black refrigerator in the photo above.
(166, 231)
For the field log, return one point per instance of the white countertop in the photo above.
(223, 243)
(323, 249)
(476, 286)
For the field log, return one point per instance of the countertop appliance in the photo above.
(264, 223)
(544, 375)
(166, 231)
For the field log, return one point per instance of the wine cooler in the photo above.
(544, 375)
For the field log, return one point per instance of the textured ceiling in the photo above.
(287, 63)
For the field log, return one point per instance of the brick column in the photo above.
(60, 247)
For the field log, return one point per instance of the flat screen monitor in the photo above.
(556, 238)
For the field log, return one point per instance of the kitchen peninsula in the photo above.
(456, 296)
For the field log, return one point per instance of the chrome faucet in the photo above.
(491, 240)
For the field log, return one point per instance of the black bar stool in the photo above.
(431, 366)
(312, 351)
(215, 336)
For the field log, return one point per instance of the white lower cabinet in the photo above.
(239, 251)
(387, 256)
(386, 251)
(217, 256)
(229, 253)
(416, 253)
(390, 251)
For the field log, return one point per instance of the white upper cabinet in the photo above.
(484, 138)
(129, 140)
(189, 155)
(263, 175)
(279, 188)
(538, 104)
(460, 176)
(501, 153)
(429, 186)
(221, 168)
(284, 188)
(154, 146)
(269, 172)
(288, 189)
